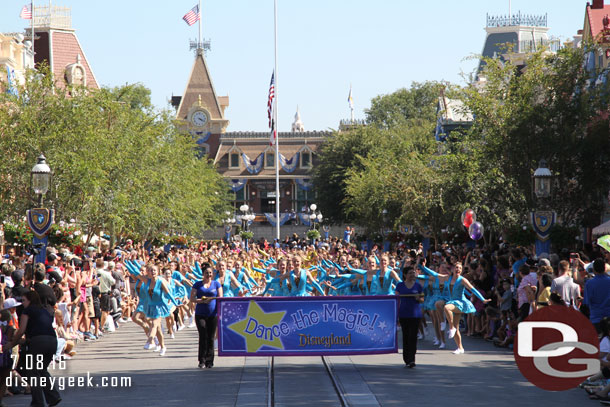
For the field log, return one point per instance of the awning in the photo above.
(603, 229)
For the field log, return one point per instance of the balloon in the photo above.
(476, 230)
(468, 217)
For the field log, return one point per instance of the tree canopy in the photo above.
(117, 163)
(548, 109)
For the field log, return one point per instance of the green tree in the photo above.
(547, 110)
(118, 165)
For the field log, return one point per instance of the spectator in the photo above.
(563, 285)
(45, 293)
(53, 270)
(37, 325)
(526, 291)
(597, 294)
(106, 283)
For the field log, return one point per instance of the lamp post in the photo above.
(246, 217)
(542, 180)
(228, 222)
(40, 178)
(544, 218)
(315, 216)
(40, 219)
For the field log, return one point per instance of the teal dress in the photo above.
(158, 305)
(458, 298)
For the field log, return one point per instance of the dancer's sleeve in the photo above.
(478, 294)
(428, 271)
(358, 271)
(317, 286)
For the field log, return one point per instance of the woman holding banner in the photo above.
(204, 294)
(409, 313)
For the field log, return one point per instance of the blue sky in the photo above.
(324, 46)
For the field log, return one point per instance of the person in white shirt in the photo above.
(567, 289)
(106, 283)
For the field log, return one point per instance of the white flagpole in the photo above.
(33, 53)
(277, 133)
(200, 44)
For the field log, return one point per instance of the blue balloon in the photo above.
(476, 230)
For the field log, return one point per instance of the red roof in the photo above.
(65, 49)
(595, 17)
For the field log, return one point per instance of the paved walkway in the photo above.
(484, 376)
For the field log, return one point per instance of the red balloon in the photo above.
(468, 218)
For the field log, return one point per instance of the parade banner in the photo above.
(306, 326)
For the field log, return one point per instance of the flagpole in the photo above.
(200, 44)
(277, 133)
(33, 53)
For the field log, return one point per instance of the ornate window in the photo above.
(306, 156)
(234, 157)
(270, 158)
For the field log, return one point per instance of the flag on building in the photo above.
(271, 109)
(350, 99)
(192, 16)
(26, 13)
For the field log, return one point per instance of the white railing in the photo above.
(53, 16)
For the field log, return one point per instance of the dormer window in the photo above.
(234, 159)
(305, 159)
(269, 159)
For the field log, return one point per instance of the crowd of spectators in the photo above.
(89, 292)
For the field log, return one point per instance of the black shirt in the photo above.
(47, 296)
(40, 322)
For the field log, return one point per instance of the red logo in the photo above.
(556, 348)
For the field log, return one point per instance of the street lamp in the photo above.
(40, 178)
(544, 218)
(315, 216)
(246, 217)
(229, 221)
(542, 180)
(40, 219)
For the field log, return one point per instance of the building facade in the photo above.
(246, 159)
(55, 44)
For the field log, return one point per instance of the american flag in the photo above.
(192, 16)
(270, 108)
(26, 13)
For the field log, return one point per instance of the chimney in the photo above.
(598, 4)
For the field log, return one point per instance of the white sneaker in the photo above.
(451, 333)
(443, 326)
(192, 325)
(420, 336)
(129, 319)
(148, 346)
(442, 345)
(171, 336)
(158, 348)
(436, 342)
(162, 353)
(458, 351)
(180, 327)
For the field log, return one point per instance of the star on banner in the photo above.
(382, 325)
(256, 328)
